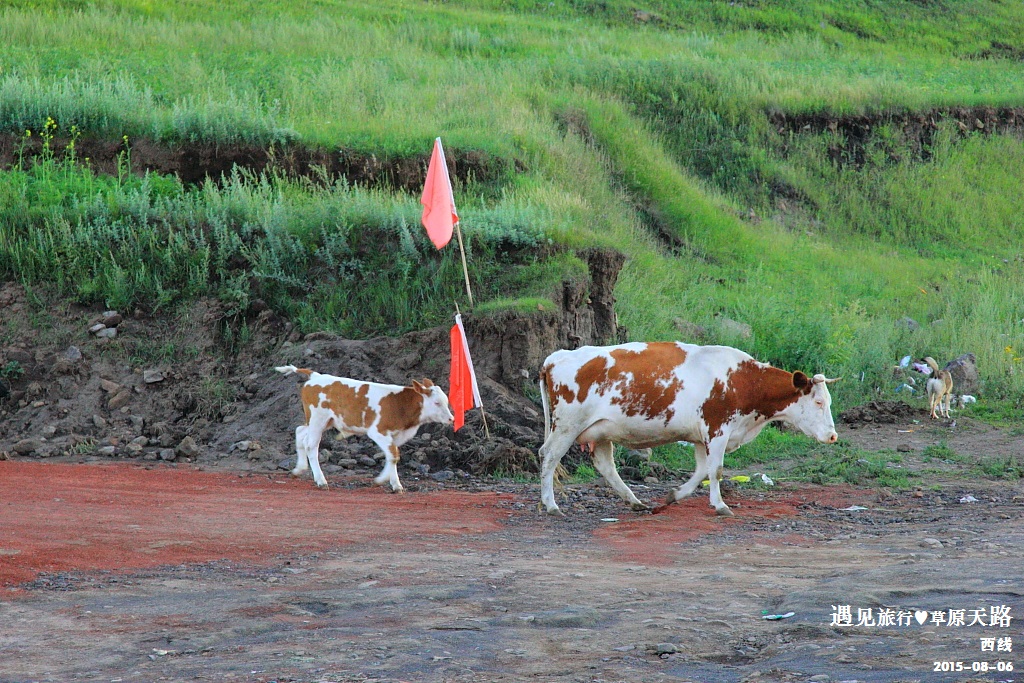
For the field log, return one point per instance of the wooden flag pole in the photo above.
(483, 414)
(465, 269)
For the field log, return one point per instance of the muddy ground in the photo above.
(149, 534)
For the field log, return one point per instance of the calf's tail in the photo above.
(289, 369)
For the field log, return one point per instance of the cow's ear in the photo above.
(801, 381)
(427, 383)
(417, 386)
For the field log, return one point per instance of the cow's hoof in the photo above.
(323, 486)
(556, 512)
(670, 499)
(640, 507)
(294, 474)
(400, 489)
(723, 511)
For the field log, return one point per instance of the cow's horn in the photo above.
(819, 378)
(834, 379)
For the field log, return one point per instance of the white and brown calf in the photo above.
(641, 395)
(388, 414)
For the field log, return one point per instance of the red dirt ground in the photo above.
(72, 517)
(66, 517)
(644, 539)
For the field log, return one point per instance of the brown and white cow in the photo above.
(388, 414)
(641, 395)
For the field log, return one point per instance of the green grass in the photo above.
(650, 133)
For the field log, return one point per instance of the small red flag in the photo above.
(462, 388)
(439, 215)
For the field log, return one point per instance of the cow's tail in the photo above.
(545, 401)
(289, 369)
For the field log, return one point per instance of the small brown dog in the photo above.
(940, 389)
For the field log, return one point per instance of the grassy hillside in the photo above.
(665, 130)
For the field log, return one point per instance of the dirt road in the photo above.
(120, 573)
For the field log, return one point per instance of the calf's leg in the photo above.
(391, 459)
(604, 461)
(302, 462)
(310, 449)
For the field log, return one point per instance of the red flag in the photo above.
(439, 215)
(462, 387)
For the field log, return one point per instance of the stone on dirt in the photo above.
(27, 446)
(120, 399)
(187, 448)
(152, 376)
(964, 370)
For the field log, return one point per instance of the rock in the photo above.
(140, 440)
(111, 318)
(348, 462)
(904, 448)
(965, 374)
(285, 464)
(27, 446)
(930, 543)
(666, 649)
(134, 448)
(120, 399)
(443, 475)
(367, 461)
(187, 448)
(49, 431)
(107, 333)
(97, 328)
(109, 451)
(908, 323)
(152, 376)
(109, 387)
(138, 422)
(73, 354)
(733, 328)
(690, 332)
(242, 446)
(167, 454)
(99, 422)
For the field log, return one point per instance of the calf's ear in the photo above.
(427, 383)
(801, 381)
(417, 386)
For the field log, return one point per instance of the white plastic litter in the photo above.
(854, 508)
(922, 368)
(775, 617)
(905, 361)
(968, 499)
(765, 478)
